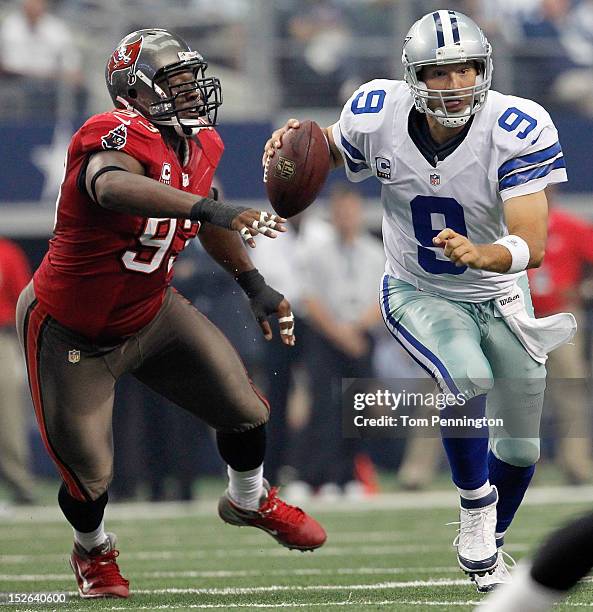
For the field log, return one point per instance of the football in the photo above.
(297, 172)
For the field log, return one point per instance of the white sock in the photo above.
(476, 493)
(92, 539)
(524, 594)
(246, 488)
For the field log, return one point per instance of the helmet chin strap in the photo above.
(185, 131)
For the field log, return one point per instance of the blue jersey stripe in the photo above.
(351, 149)
(529, 175)
(454, 26)
(354, 167)
(528, 160)
(439, 28)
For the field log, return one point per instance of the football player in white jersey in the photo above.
(463, 172)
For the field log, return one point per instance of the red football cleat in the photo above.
(97, 572)
(287, 524)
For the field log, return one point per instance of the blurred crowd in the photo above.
(310, 53)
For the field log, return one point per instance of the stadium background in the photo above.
(278, 59)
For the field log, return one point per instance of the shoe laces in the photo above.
(473, 523)
(103, 569)
(507, 559)
(278, 510)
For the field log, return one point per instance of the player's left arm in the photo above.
(525, 216)
(226, 248)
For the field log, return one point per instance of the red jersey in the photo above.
(554, 285)
(14, 275)
(106, 272)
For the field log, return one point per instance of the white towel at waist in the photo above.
(538, 336)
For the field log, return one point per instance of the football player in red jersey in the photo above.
(137, 187)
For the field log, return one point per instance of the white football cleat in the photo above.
(500, 575)
(476, 541)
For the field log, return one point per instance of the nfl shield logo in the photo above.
(435, 179)
(74, 356)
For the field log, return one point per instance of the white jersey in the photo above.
(511, 149)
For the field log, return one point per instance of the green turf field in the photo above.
(391, 553)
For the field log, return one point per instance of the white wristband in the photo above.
(519, 252)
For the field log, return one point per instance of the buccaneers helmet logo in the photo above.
(124, 57)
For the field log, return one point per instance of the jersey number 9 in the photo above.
(423, 208)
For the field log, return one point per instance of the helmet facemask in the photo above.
(423, 95)
(188, 104)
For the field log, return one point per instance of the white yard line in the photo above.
(390, 501)
(326, 551)
(247, 537)
(339, 571)
(159, 555)
(278, 588)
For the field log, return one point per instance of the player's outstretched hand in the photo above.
(266, 304)
(275, 140)
(459, 249)
(251, 222)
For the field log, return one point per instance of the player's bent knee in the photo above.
(249, 414)
(254, 419)
(517, 452)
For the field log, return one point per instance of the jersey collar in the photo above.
(433, 152)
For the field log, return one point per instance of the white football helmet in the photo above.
(447, 37)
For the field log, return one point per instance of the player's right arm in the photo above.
(275, 142)
(116, 181)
